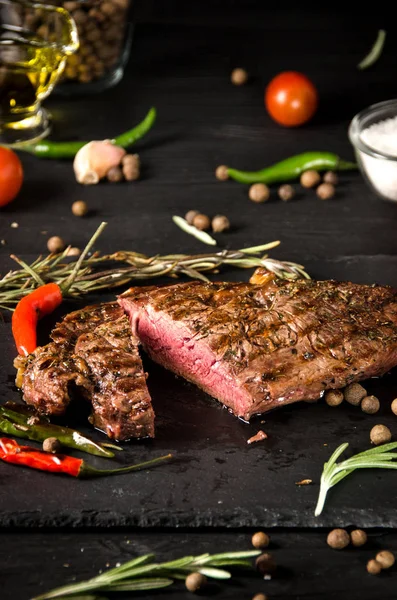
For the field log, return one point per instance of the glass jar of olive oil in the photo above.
(105, 35)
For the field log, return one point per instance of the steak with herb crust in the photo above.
(93, 353)
(255, 346)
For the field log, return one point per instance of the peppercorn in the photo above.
(260, 540)
(354, 393)
(201, 222)
(380, 434)
(310, 178)
(333, 397)
(221, 173)
(259, 192)
(79, 208)
(73, 252)
(55, 244)
(131, 167)
(114, 175)
(331, 177)
(385, 558)
(373, 567)
(260, 597)
(394, 406)
(190, 216)
(195, 581)
(239, 76)
(338, 539)
(52, 445)
(370, 405)
(220, 223)
(265, 564)
(286, 192)
(358, 537)
(325, 191)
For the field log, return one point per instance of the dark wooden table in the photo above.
(181, 61)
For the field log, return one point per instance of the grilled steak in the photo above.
(94, 352)
(258, 346)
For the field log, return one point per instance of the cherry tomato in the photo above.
(291, 99)
(11, 175)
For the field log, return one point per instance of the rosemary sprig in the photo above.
(142, 573)
(191, 230)
(93, 273)
(380, 457)
(375, 51)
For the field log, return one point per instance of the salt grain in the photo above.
(382, 173)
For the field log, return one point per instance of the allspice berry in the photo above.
(239, 76)
(373, 567)
(354, 393)
(385, 558)
(394, 406)
(52, 445)
(190, 216)
(221, 173)
(56, 244)
(131, 167)
(370, 405)
(331, 177)
(220, 223)
(201, 222)
(310, 178)
(195, 582)
(265, 564)
(358, 537)
(338, 539)
(73, 251)
(260, 540)
(114, 175)
(325, 191)
(333, 397)
(286, 192)
(259, 192)
(380, 434)
(79, 208)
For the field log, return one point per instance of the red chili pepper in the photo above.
(29, 310)
(12, 452)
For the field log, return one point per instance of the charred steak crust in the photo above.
(258, 346)
(93, 350)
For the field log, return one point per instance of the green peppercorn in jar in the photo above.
(105, 37)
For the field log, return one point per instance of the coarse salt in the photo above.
(382, 173)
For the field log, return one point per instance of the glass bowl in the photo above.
(378, 166)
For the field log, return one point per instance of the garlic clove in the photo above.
(94, 160)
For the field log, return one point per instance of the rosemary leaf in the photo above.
(128, 577)
(381, 457)
(200, 235)
(375, 51)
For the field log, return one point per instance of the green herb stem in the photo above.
(375, 51)
(143, 574)
(381, 457)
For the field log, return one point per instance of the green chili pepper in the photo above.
(48, 149)
(292, 168)
(16, 422)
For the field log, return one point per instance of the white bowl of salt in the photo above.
(373, 133)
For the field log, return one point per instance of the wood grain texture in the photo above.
(307, 567)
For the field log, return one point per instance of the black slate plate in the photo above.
(215, 478)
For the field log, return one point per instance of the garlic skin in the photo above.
(94, 160)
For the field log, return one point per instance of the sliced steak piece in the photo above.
(94, 352)
(256, 347)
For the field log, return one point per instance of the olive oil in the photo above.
(29, 68)
(32, 59)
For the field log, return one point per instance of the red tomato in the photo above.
(291, 99)
(11, 175)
